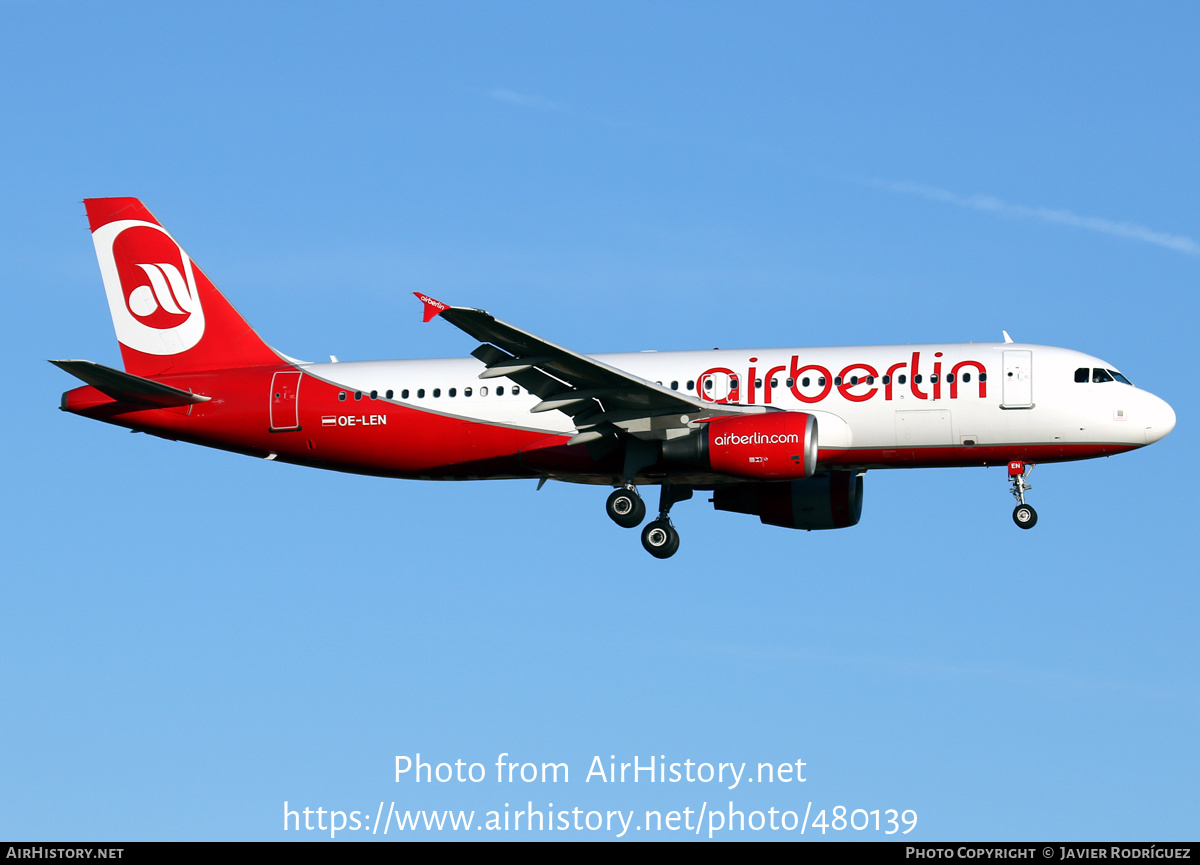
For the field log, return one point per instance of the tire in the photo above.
(660, 539)
(1025, 516)
(626, 508)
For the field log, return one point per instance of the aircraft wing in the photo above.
(600, 399)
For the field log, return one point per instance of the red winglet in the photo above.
(432, 307)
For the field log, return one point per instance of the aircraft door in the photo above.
(285, 406)
(1018, 379)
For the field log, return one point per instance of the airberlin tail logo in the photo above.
(151, 287)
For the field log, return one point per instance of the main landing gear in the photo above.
(626, 508)
(659, 537)
(1023, 515)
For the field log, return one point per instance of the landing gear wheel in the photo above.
(1023, 515)
(626, 508)
(660, 539)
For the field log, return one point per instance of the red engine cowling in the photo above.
(776, 446)
(832, 500)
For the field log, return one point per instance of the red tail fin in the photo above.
(168, 316)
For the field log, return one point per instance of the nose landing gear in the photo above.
(1023, 515)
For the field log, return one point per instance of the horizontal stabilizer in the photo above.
(126, 387)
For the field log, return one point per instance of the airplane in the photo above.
(782, 434)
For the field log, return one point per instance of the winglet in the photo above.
(432, 307)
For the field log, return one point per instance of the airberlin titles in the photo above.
(756, 438)
(857, 382)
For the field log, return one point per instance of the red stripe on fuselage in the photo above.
(964, 456)
(383, 438)
(369, 436)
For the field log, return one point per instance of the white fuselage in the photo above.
(902, 396)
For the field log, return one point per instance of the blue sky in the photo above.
(192, 638)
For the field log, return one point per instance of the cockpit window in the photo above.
(1082, 374)
(1120, 377)
(1099, 376)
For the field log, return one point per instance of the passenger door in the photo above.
(285, 405)
(1018, 379)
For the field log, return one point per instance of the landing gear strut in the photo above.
(1023, 515)
(625, 507)
(659, 537)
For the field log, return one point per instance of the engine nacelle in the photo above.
(832, 500)
(776, 446)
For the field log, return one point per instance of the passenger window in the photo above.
(466, 391)
(933, 378)
(853, 380)
(917, 378)
(902, 378)
(1081, 375)
(804, 381)
(516, 390)
(758, 384)
(966, 378)
(887, 379)
(342, 395)
(821, 381)
(389, 394)
(358, 394)
(421, 393)
(374, 394)
(674, 385)
(500, 391)
(983, 376)
(483, 391)
(452, 392)
(437, 391)
(708, 384)
(1100, 376)
(950, 378)
(691, 384)
(791, 382)
(404, 394)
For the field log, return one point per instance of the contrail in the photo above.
(991, 204)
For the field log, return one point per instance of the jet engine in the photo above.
(832, 500)
(776, 446)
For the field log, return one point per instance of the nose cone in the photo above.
(1159, 419)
